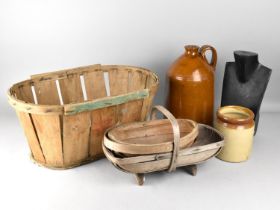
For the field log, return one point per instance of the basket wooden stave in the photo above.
(70, 134)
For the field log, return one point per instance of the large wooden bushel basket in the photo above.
(64, 114)
(207, 144)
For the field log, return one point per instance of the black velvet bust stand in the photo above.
(245, 82)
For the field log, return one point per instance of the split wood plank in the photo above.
(118, 79)
(76, 130)
(46, 92)
(95, 85)
(31, 136)
(133, 109)
(101, 119)
(48, 128)
(71, 89)
(152, 85)
(24, 93)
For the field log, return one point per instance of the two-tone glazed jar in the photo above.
(237, 124)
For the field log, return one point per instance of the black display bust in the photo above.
(245, 82)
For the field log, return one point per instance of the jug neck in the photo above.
(192, 50)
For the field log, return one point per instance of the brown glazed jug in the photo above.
(191, 85)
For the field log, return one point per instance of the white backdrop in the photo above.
(40, 36)
(46, 35)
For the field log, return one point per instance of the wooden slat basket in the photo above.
(64, 114)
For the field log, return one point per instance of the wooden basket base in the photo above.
(89, 160)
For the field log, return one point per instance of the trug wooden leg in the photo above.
(140, 178)
(191, 169)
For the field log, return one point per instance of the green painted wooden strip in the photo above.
(70, 109)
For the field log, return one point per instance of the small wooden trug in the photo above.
(123, 153)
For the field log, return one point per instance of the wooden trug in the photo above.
(207, 144)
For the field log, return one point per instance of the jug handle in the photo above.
(202, 51)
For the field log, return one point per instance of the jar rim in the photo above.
(224, 112)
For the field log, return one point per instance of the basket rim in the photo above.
(109, 142)
(61, 108)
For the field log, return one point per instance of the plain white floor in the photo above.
(254, 184)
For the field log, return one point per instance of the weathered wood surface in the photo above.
(119, 100)
(118, 80)
(208, 144)
(76, 132)
(149, 137)
(48, 109)
(192, 169)
(140, 178)
(101, 121)
(76, 128)
(46, 92)
(60, 74)
(24, 93)
(68, 129)
(71, 89)
(31, 135)
(101, 118)
(95, 85)
(48, 129)
(132, 110)
(156, 136)
(35, 109)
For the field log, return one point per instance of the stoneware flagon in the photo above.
(236, 123)
(245, 82)
(191, 85)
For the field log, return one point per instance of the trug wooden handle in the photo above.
(176, 133)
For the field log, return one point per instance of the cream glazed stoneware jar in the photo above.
(237, 124)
